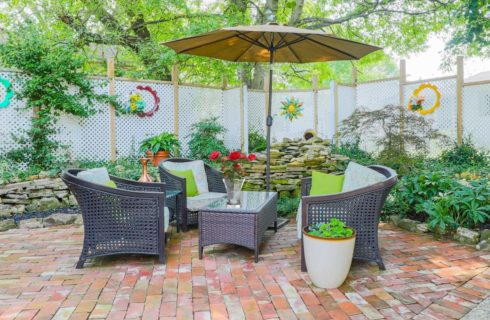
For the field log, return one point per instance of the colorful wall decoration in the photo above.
(416, 101)
(137, 105)
(291, 108)
(9, 93)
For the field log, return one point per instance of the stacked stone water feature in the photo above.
(292, 160)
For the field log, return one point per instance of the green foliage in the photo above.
(55, 86)
(354, 152)
(206, 137)
(334, 229)
(287, 207)
(465, 154)
(256, 142)
(163, 142)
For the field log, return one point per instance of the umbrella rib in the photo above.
(251, 40)
(244, 51)
(330, 47)
(206, 44)
(290, 48)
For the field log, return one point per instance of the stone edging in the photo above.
(479, 239)
(56, 219)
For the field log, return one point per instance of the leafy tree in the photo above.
(137, 28)
(55, 85)
(206, 137)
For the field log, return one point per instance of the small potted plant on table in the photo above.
(328, 248)
(159, 147)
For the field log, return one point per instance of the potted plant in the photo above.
(328, 249)
(159, 147)
(231, 166)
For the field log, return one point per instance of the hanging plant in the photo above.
(9, 93)
(291, 108)
(417, 100)
(137, 105)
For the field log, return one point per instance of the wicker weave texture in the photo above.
(244, 228)
(128, 219)
(359, 209)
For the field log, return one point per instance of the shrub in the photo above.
(256, 142)
(287, 207)
(465, 154)
(206, 137)
(354, 152)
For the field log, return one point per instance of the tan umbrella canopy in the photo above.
(271, 43)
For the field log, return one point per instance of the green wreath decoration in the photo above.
(8, 94)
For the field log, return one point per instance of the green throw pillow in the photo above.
(324, 183)
(111, 184)
(190, 182)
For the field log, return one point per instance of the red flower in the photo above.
(236, 166)
(243, 156)
(235, 155)
(252, 157)
(214, 155)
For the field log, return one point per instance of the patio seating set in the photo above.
(127, 217)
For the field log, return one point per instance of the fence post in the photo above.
(403, 81)
(459, 98)
(112, 110)
(244, 117)
(335, 93)
(354, 76)
(314, 84)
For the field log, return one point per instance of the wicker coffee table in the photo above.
(243, 224)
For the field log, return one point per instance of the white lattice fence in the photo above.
(376, 95)
(132, 129)
(326, 114)
(476, 114)
(256, 112)
(14, 119)
(87, 138)
(195, 104)
(231, 118)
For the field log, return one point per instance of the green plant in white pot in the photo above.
(328, 248)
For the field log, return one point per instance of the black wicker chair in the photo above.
(128, 219)
(185, 217)
(359, 209)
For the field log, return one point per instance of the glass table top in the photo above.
(249, 201)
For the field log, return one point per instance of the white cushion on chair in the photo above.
(96, 175)
(166, 219)
(299, 229)
(199, 201)
(357, 176)
(197, 167)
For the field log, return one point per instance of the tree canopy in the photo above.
(138, 27)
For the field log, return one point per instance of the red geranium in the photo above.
(252, 157)
(236, 166)
(214, 155)
(235, 155)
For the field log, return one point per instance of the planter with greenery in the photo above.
(328, 249)
(206, 136)
(160, 147)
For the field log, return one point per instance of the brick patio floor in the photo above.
(425, 279)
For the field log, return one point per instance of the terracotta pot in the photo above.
(328, 260)
(148, 153)
(159, 156)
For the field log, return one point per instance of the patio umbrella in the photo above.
(270, 43)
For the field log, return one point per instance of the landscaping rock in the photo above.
(59, 219)
(5, 210)
(48, 204)
(33, 223)
(7, 224)
(466, 236)
(422, 228)
(485, 234)
(482, 245)
(408, 224)
(395, 219)
(79, 219)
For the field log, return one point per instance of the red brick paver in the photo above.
(425, 279)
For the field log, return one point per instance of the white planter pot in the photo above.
(328, 260)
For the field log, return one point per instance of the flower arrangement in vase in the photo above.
(233, 172)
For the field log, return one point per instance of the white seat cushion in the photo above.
(199, 201)
(96, 175)
(357, 176)
(197, 167)
(166, 219)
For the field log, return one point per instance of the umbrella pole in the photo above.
(269, 125)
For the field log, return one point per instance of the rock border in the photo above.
(55, 219)
(479, 239)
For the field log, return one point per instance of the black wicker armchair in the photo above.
(359, 209)
(128, 219)
(184, 216)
